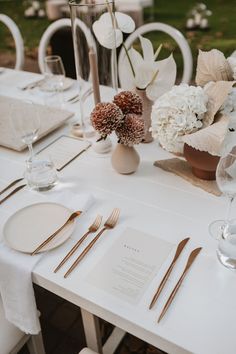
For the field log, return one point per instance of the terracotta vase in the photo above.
(203, 164)
(147, 110)
(125, 159)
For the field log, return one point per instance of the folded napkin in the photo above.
(16, 287)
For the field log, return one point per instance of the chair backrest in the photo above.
(19, 44)
(172, 32)
(12, 339)
(10, 336)
(87, 351)
(55, 26)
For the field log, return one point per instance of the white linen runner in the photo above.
(16, 287)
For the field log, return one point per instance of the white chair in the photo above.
(172, 32)
(54, 27)
(20, 56)
(87, 351)
(12, 339)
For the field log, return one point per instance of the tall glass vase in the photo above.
(96, 64)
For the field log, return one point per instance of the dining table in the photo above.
(201, 318)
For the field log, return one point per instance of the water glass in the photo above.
(226, 250)
(225, 230)
(54, 73)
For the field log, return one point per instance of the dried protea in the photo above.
(131, 131)
(129, 102)
(106, 117)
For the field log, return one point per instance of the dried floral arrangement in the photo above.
(200, 116)
(122, 116)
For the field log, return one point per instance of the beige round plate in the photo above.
(30, 226)
(67, 83)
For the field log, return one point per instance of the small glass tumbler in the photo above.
(41, 174)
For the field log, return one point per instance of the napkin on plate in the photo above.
(16, 287)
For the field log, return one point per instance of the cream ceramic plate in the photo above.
(67, 83)
(30, 226)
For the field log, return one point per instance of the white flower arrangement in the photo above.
(176, 113)
(145, 72)
(141, 71)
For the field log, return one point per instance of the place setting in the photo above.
(22, 248)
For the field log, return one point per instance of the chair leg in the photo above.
(35, 344)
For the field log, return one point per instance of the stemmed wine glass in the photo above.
(40, 173)
(26, 123)
(54, 73)
(226, 181)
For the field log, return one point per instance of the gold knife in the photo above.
(190, 261)
(12, 192)
(179, 249)
(11, 185)
(74, 215)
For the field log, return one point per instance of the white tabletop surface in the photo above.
(202, 317)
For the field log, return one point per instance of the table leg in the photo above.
(92, 331)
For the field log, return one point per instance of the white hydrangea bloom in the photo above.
(229, 105)
(176, 113)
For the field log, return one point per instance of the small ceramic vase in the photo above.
(147, 110)
(202, 163)
(125, 159)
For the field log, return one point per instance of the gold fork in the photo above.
(93, 228)
(109, 224)
(51, 237)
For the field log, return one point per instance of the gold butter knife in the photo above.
(179, 249)
(12, 192)
(11, 185)
(74, 215)
(190, 261)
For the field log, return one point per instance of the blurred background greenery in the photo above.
(221, 34)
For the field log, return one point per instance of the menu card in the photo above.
(130, 264)
(63, 150)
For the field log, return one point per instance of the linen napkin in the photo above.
(16, 286)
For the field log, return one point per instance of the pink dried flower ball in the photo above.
(106, 117)
(129, 102)
(132, 131)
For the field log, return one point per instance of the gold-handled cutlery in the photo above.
(110, 223)
(12, 193)
(51, 237)
(190, 261)
(11, 185)
(32, 85)
(178, 252)
(93, 228)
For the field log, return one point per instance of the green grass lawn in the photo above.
(222, 33)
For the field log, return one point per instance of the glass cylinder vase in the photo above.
(95, 60)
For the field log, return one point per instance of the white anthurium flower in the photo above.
(147, 49)
(156, 77)
(104, 30)
(165, 79)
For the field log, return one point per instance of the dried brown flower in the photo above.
(131, 131)
(129, 102)
(106, 117)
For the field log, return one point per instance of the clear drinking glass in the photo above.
(95, 64)
(225, 230)
(40, 174)
(26, 122)
(54, 73)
